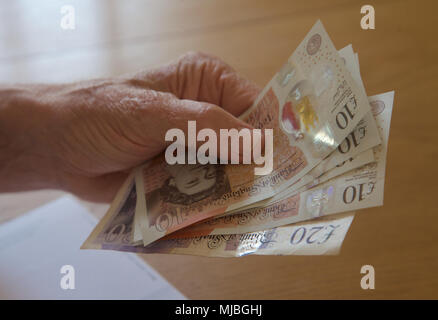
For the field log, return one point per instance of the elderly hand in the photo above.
(85, 137)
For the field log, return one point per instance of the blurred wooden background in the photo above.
(399, 239)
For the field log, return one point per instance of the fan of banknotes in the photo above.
(329, 156)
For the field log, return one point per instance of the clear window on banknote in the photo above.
(299, 112)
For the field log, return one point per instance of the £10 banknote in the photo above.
(357, 189)
(319, 237)
(311, 105)
(354, 152)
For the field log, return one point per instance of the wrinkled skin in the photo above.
(85, 137)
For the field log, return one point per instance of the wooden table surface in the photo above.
(399, 239)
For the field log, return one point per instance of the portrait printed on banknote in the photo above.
(185, 185)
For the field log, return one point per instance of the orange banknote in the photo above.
(319, 237)
(355, 151)
(357, 189)
(311, 105)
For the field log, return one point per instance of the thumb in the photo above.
(229, 138)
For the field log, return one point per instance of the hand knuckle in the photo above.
(208, 112)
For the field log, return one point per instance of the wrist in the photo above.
(26, 158)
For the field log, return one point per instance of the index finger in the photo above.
(202, 77)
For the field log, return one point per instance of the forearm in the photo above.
(26, 160)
